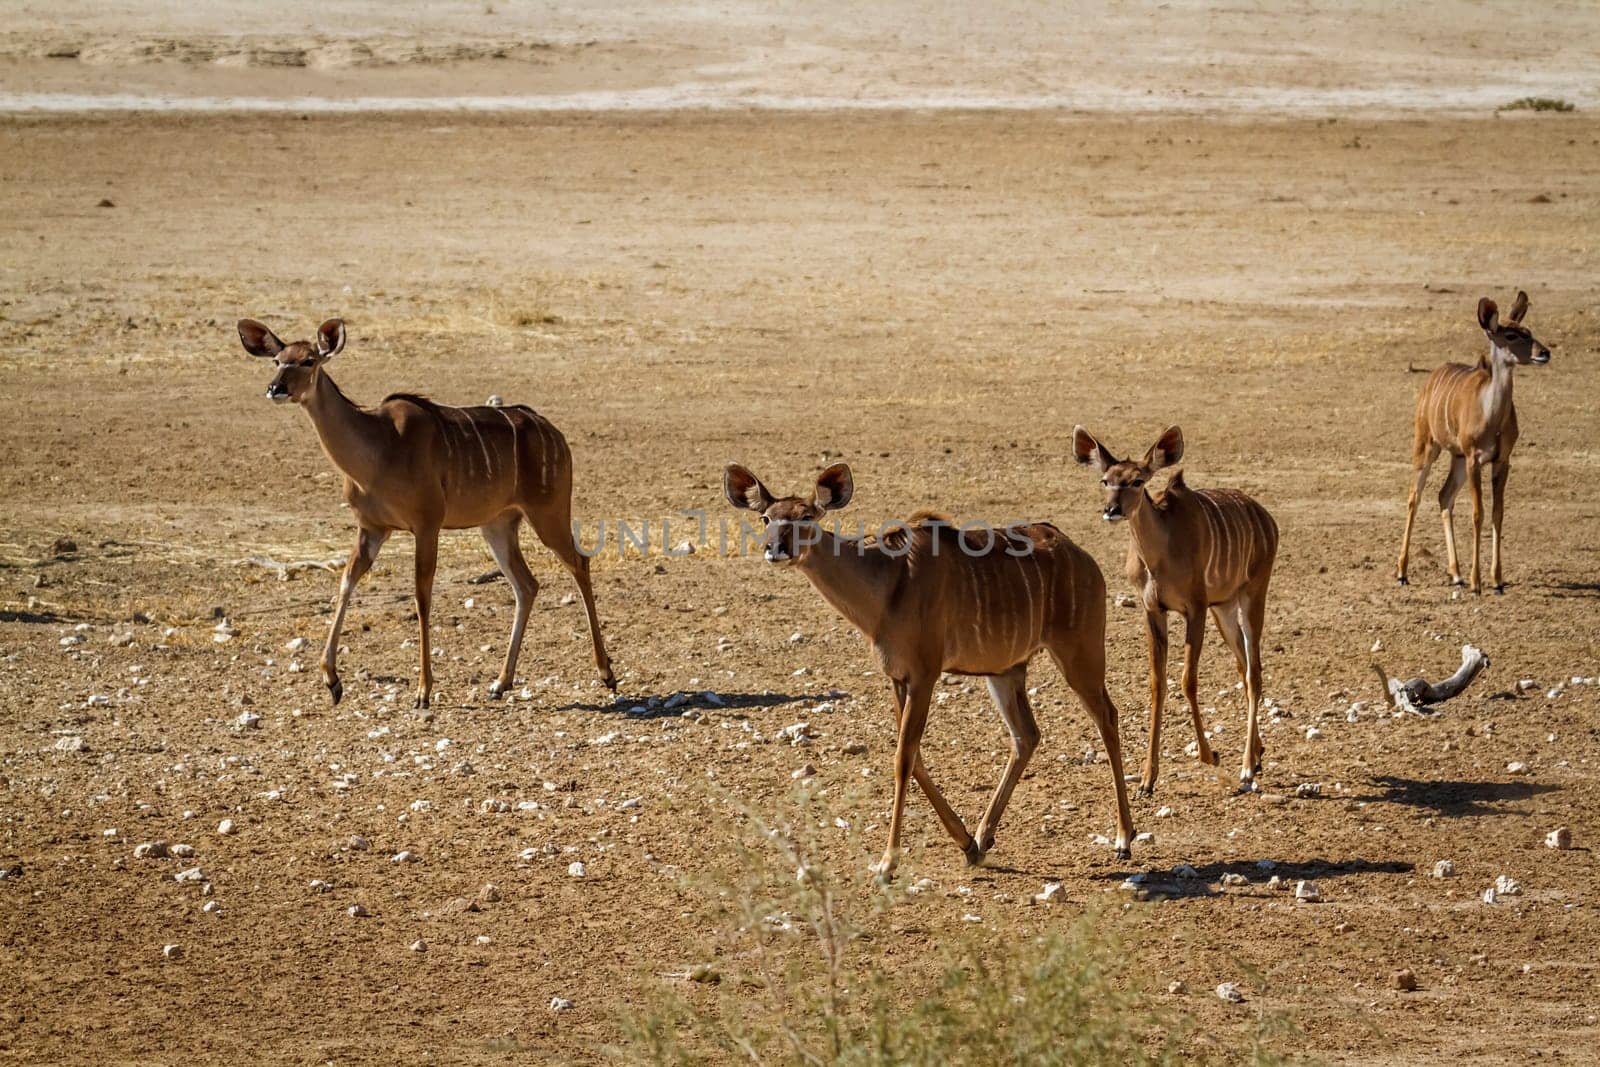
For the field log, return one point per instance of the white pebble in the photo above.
(226, 827)
(356, 911)
(1185, 870)
(172, 952)
(1506, 886)
(211, 907)
(317, 885)
(1234, 878)
(1313, 734)
(419, 945)
(1307, 891)
(150, 850)
(1444, 869)
(403, 856)
(192, 874)
(1163, 812)
(1527, 685)
(1229, 991)
(803, 772)
(1045, 895)
(248, 720)
(1517, 768)
(358, 842)
(576, 869)
(183, 852)
(1560, 839)
(297, 644)
(561, 1004)
(71, 744)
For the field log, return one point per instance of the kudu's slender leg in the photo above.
(1156, 631)
(552, 523)
(1082, 662)
(947, 815)
(427, 563)
(368, 542)
(1252, 614)
(1010, 695)
(1497, 485)
(1447, 505)
(1423, 453)
(1475, 484)
(1194, 635)
(501, 534)
(913, 721)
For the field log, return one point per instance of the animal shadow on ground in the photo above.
(1454, 800)
(1573, 589)
(1202, 880)
(673, 705)
(35, 617)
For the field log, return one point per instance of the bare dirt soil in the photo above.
(936, 298)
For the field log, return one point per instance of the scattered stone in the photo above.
(172, 952)
(97, 700)
(1313, 734)
(561, 1004)
(358, 843)
(1307, 891)
(404, 856)
(804, 772)
(1266, 865)
(419, 945)
(192, 874)
(183, 852)
(317, 885)
(1444, 869)
(576, 869)
(1234, 878)
(1515, 767)
(356, 911)
(797, 733)
(1506, 886)
(1308, 789)
(298, 644)
(1048, 893)
(1163, 812)
(1185, 870)
(1527, 685)
(211, 907)
(226, 827)
(460, 906)
(71, 744)
(1560, 839)
(853, 748)
(489, 894)
(248, 720)
(150, 850)
(629, 804)
(493, 806)
(1230, 992)
(1404, 979)
(1177, 987)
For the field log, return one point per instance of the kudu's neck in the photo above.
(351, 437)
(1496, 396)
(1152, 530)
(856, 577)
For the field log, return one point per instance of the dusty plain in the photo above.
(936, 297)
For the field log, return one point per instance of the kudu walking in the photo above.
(1192, 550)
(1467, 411)
(932, 599)
(411, 464)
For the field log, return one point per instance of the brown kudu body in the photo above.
(411, 464)
(930, 600)
(1193, 551)
(1468, 412)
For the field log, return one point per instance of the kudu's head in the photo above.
(1509, 340)
(298, 364)
(1124, 479)
(793, 522)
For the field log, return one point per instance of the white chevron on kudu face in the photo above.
(932, 600)
(1468, 412)
(411, 464)
(1193, 551)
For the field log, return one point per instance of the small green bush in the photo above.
(1539, 103)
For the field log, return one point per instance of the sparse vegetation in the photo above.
(801, 958)
(1540, 103)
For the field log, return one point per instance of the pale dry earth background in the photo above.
(936, 296)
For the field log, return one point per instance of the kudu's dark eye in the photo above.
(1137, 482)
(765, 521)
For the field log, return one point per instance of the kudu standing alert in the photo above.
(932, 599)
(1467, 411)
(1192, 550)
(411, 464)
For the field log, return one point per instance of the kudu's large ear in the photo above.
(330, 338)
(258, 340)
(1167, 450)
(744, 490)
(1519, 307)
(835, 487)
(1488, 313)
(1087, 450)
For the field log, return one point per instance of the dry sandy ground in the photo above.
(937, 299)
(1118, 55)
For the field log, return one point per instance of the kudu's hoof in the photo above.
(610, 680)
(336, 690)
(1124, 852)
(1144, 792)
(974, 853)
(1500, 590)
(496, 690)
(1402, 580)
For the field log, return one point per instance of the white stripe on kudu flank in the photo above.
(516, 452)
(488, 461)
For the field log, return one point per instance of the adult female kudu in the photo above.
(932, 599)
(412, 464)
(1468, 412)
(1192, 550)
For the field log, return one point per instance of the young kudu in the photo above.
(1468, 412)
(411, 464)
(932, 599)
(1192, 550)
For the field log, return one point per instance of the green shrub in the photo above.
(1539, 103)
